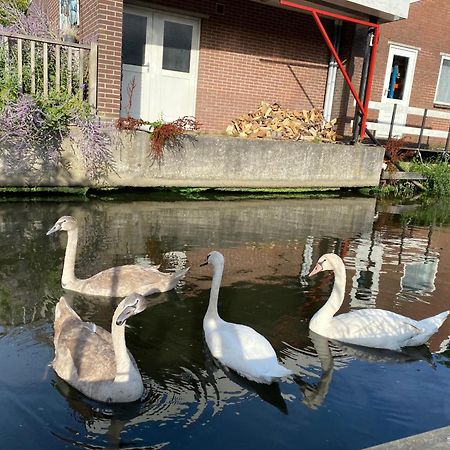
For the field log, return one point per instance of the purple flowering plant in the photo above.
(32, 127)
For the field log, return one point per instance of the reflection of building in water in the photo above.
(307, 259)
(371, 251)
(176, 260)
(419, 276)
(367, 262)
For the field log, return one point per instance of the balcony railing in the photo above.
(40, 65)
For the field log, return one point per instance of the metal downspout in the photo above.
(364, 108)
(332, 72)
(363, 85)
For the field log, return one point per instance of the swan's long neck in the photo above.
(323, 317)
(212, 312)
(68, 275)
(124, 366)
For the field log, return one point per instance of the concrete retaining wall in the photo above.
(226, 162)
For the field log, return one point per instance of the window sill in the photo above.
(441, 105)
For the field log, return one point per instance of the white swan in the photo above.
(94, 361)
(368, 327)
(236, 346)
(116, 281)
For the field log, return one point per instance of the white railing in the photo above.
(395, 120)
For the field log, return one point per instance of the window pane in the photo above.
(177, 46)
(134, 39)
(398, 76)
(443, 89)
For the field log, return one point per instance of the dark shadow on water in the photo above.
(270, 393)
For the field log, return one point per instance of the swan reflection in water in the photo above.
(334, 355)
(193, 396)
(188, 395)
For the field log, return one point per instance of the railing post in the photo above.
(80, 73)
(391, 128)
(447, 142)
(424, 118)
(7, 67)
(93, 58)
(33, 66)
(45, 76)
(69, 70)
(20, 64)
(58, 68)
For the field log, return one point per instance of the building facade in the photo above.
(219, 60)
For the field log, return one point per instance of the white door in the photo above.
(135, 67)
(397, 86)
(166, 77)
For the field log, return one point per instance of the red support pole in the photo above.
(315, 13)
(365, 112)
(338, 60)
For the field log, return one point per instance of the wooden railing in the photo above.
(53, 65)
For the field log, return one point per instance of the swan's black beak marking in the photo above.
(205, 263)
(54, 229)
(125, 314)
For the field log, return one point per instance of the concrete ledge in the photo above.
(404, 176)
(225, 162)
(431, 440)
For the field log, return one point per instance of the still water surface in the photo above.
(397, 258)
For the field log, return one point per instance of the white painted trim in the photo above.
(437, 102)
(402, 129)
(417, 111)
(400, 44)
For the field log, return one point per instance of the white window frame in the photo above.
(436, 101)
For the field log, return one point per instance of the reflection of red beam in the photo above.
(315, 13)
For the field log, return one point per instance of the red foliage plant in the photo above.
(168, 135)
(129, 123)
(171, 135)
(397, 151)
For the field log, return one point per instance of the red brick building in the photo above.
(217, 60)
(419, 48)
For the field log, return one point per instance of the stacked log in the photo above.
(274, 122)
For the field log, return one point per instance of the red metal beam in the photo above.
(315, 13)
(338, 60)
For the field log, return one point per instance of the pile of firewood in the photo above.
(273, 121)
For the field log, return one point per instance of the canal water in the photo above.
(397, 258)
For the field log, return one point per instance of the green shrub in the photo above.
(437, 175)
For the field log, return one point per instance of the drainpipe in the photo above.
(362, 87)
(332, 71)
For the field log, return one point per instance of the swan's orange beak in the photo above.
(318, 268)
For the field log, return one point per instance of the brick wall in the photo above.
(248, 54)
(426, 29)
(252, 53)
(109, 29)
